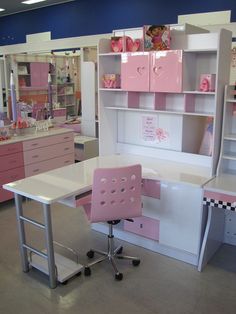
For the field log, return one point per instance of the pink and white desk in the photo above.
(219, 193)
(180, 205)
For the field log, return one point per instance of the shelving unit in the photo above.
(159, 117)
(227, 161)
(172, 98)
(31, 73)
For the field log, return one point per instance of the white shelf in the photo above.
(196, 92)
(231, 100)
(231, 156)
(200, 50)
(231, 137)
(110, 54)
(112, 90)
(66, 268)
(204, 114)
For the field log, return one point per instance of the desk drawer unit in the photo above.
(151, 188)
(144, 226)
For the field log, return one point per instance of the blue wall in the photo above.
(89, 17)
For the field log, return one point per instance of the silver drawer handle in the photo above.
(36, 170)
(35, 156)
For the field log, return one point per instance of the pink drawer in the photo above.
(151, 188)
(33, 169)
(7, 149)
(48, 152)
(5, 195)
(144, 226)
(10, 176)
(11, 161)
(48, 141)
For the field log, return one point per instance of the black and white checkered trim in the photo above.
(220, 204)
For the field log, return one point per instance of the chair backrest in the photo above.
(116, 193)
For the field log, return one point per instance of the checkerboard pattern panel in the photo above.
(220, 204)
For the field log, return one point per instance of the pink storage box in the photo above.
(207, 82)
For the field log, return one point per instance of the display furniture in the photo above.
(31, 154)
(67, 184)
(31, 75)
(161, 111)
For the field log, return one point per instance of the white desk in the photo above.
(72, 180)
(219, 193)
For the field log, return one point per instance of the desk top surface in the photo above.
(225, 183)
(55, 185)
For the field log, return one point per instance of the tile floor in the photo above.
(159, 285)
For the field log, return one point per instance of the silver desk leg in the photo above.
(49, 246)
(21, 231)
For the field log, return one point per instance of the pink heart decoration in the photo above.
(117, 44)
(132, 45)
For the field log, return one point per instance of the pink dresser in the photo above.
(36, 155)
(11, 167)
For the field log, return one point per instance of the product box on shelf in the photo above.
(156, 37)
(207, 82)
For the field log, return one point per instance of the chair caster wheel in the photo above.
(135, 262)
(90, 254)
(120, 250)
(119, 276)
(87, 271)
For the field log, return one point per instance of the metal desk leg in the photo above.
(21, 231)
(49, 246)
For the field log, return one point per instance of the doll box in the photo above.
(156, 37)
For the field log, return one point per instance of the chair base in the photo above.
(111, 254)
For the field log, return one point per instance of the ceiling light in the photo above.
(2, 9)
(32, 1)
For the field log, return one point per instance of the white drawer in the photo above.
(33, 169)
(49, 152)
(48, 141)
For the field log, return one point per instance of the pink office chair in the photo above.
(116, 195)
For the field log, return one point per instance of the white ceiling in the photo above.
(15, 6)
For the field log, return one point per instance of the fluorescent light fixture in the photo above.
(32, 1)
(2, 9)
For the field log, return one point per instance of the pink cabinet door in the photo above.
(39, 74)
(135, 71)
(166, 71)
